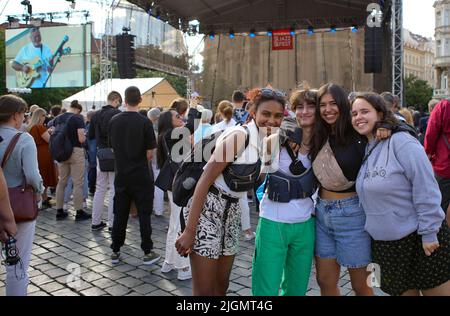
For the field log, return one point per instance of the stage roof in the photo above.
(242, 15)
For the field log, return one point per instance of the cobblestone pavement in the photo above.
(63, 247)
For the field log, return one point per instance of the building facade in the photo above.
(442, 57)
(418, 57)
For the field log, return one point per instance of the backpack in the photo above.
(60, 145)
(190, 170)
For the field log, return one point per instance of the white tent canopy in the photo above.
(96, 95)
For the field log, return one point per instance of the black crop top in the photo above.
(350, 156)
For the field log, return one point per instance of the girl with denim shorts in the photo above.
(337, 155)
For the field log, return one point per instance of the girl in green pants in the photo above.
(285, 234)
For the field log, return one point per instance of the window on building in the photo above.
(438, 18)
(446, 18)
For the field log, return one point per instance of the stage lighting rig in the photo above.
(27, 4)
(72, 3)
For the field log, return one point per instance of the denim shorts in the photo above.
(340, 232)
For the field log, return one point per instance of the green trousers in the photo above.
(283, 258)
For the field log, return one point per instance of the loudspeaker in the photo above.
(125, 54)
(373, 49)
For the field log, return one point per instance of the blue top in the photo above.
(36, 55)
(203, 131)
(398, 191)
(23, 160)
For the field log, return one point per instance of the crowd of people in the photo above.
(341, 180)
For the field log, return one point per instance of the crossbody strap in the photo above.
(10, 148)
(247, 141)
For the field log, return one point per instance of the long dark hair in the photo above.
(343, 128)
(380, 106)
(164, 126)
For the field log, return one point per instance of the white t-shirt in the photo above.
(223, 125)
(28, 53)
(249, 156)
(296, 211)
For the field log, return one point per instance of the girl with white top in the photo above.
(211, 236)
(286, 230)
(225, 110)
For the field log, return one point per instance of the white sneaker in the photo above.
(166, 267)
(249, 236)
(184, 274)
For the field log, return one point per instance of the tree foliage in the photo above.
(417, 92)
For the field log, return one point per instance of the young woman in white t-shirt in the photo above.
(286, 230)
(211, 236)
(225, 110)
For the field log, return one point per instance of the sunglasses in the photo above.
(272, 93)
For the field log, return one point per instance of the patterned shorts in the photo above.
(404, 265)
(219, 226)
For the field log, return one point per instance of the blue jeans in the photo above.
(340, 232)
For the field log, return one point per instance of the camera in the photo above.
(10, 251)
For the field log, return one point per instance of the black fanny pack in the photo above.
(283, 188)
(106, 159)
(241, 178)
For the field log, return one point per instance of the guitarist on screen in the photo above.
(34, 60)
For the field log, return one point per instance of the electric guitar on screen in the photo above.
(25, 80)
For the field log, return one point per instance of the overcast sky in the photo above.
(418, 16)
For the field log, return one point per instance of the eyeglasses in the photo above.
(272, 93)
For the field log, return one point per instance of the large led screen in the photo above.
(48, 57)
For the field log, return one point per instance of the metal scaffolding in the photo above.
(106, 47)
(397, 48)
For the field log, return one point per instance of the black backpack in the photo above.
(60, 145)
(191, 168)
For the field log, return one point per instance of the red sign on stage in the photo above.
(282, 40)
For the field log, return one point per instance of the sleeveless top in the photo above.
(250, 156)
